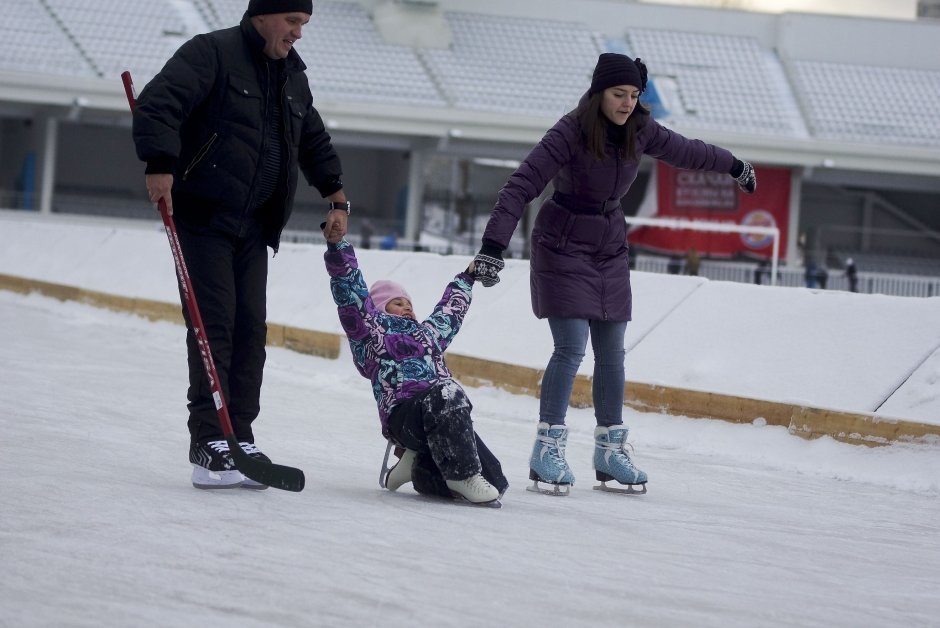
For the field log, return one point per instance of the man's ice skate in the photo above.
(399, 474)
(213, 467)
(252, 450)
(548, 464)
(612, 462)
(475, 490)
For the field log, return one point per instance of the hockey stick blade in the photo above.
(267, 473)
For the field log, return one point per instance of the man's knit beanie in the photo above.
(264, 7)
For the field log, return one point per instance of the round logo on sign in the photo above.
(757, 218)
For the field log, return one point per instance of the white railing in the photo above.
(715, 270)
(719, 227)
(744, 272)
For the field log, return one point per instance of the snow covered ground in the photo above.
(743, 525)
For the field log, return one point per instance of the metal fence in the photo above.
(737, 271)
(744, 272)
(740, 272)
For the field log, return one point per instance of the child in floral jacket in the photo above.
(422, 408)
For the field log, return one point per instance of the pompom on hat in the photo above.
(265, 7)
(384, 290)
(617, 69)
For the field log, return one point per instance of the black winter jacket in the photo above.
(203, 119)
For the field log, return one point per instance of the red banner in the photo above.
(712, 196)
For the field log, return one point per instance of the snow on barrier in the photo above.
(854, 367)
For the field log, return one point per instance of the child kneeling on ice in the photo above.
(422, 408)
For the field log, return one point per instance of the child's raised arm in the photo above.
(349, 289)
(448, 314)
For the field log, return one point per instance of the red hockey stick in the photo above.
(270, 474)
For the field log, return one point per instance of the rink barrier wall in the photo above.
(321, 344)
(806, 422)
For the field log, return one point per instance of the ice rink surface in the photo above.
(744, 525)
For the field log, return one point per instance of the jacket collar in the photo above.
(256, 42)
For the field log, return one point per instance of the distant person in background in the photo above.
(366, 233)
(692, 262)
(810, 275)
(579, 254)
(759, 271)
(389, 242)
(422, 409)
(223, 128)
(822, 277)
(674, 265)
(851, 273)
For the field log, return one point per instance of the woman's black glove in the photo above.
(743, 173)
(487, 264)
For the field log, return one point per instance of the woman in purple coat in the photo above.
(580, 273)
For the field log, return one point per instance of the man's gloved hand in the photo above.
(743, 173)
(487, 264)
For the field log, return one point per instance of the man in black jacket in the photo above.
(223, 128)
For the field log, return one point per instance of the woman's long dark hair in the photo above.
(594, 125)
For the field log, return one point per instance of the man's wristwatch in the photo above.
(345, 206)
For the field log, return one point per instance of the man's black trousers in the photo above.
(229, 276)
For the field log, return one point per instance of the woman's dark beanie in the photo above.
(264, 7)
(617, 69)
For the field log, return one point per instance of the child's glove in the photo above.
(487, 264)
(743, 173)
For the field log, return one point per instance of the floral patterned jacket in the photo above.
(401, 357)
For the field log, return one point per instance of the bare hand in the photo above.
(335, 226)
(159, 187)
(332, 234)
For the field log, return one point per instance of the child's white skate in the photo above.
(612, 462)
(399, 474)
(476, 490)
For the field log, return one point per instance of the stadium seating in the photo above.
(357, 66)
(869, 104)
(32, 41)
(724, 82)
(524, 66)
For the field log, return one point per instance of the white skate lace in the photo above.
(220, 446)
(249, 448)
(556, 449)
(615, 447)
(621, 448)
(478, 484)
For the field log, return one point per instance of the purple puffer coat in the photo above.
(580, 266)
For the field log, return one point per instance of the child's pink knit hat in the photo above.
(383, 291)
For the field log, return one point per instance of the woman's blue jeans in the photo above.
(570, 336)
